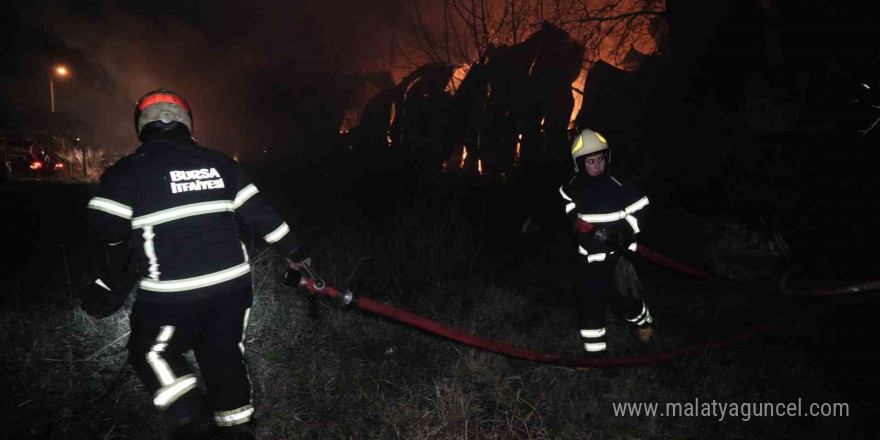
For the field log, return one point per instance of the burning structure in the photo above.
(515, 101)
(513, 96)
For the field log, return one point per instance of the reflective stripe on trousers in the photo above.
(172, 387)
(643, 318)
(594, 339)
(234, 417)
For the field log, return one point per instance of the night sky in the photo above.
(278, 75)
(755, 107)
(212, 52)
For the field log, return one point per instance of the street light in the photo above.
(60, 71)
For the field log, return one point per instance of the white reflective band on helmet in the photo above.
(101, 283)
(569, 207)
(243, 195)
(195, 282)
(582, 251)
(596, 257)
(277, 234)
(564, 195)
(593, 333)
(168, 394)
(180, 212)
(110, 207)
(234, 417)
(633, 246)
(595, 346)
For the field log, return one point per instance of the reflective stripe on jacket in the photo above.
(599, 203)
(182, 205)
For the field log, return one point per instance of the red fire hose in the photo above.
(831, 291)
(674, 265)
(684, 268)
(429, 325)
(435, 327)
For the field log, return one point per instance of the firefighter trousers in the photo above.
(595, 292)
(214, 329)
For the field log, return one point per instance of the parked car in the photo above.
(26, 159)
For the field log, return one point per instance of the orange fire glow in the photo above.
(577, 92)
(391, 122)
(480, 166)
(639, 28)
(518, 145)
(457, 77)
(463, 156)
(350, 120)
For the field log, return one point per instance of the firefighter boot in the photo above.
(642, 322)
(644, 333)
(242, 431)
(600, 354)
(189, 419)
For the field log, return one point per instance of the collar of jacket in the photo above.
(163, 142)
(588, 180)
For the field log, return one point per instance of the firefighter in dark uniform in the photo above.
(606, 215)
(179, 206)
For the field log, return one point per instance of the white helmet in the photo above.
(162, 107)
(586, 143)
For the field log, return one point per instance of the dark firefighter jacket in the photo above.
(181, 205)
(596, 203)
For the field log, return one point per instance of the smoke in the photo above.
(255, 71)
(212, 52)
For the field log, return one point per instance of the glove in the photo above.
(301, 255)
(582, 226)
(615, 240)
(622, 247)
(298, 264)
(98, 300)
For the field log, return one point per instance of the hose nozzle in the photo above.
(346, 298)
(294, 278)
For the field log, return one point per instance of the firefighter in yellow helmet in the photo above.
(607, 216)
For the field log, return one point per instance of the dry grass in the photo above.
(350, 375)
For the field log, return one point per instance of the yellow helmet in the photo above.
(588, 142)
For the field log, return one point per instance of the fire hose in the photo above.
(345, 297)
(311, 281)
(661, 260)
